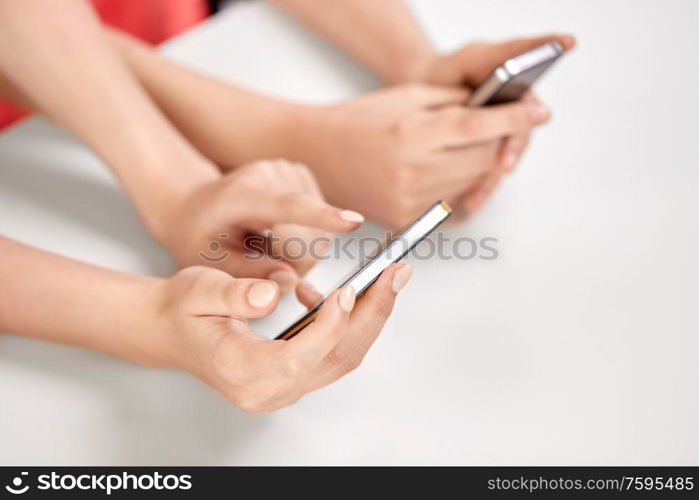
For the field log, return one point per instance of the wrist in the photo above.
(157, 169)
(145, 337)
(164, 206)
(287, 132)
(305, 135)
(239, 127)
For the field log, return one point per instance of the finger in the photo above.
(458, 126)
(298, 208)
(475, 195)
(454, 169)
(300, 246)
(512, 48)
(512, 151)
(475, 199)
(432, 96)
(480, 60)
(310, 346)
(216, 293)
(308, 294)
(291, 175)
(529, 96)
(366, 323)
(255, 262)
(308, 180)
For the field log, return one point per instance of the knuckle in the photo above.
(250, 170)
(301, 168)
(258, 173)
(291, 368)
(290, 200)
(404, 128)
(203, 277)
(410, 127)
(280, 164)
(246, 182)
(251, 403)
(266, 163)
(190, 273)
(195, 278)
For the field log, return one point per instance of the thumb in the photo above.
(216, 293)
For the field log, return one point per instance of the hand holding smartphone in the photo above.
(368, 272)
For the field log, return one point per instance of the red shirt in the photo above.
(153, 21)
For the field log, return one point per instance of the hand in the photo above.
(469, 66)
(270, 200)
(203, 315)
(392, 153)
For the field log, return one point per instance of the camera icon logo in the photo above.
(16, 487)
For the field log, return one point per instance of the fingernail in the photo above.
(538, 112)
(401, 277)
(347, 298)
(510, 160)
(262, 294)
(285, 279)
(351, 216)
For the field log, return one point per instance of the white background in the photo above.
(577, 346)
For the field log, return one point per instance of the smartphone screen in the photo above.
(370, 270)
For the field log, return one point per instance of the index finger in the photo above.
(462, 126)
(301, 209)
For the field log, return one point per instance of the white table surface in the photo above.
(579, 345)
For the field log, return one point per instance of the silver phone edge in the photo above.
(308, 317)
(508, 70)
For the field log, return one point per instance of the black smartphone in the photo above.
(392, 251)
(515, 76)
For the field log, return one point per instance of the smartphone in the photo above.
(515, 76)
(370, 270)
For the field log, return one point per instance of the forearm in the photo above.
(52, 298)
(57, 55)
(381, 34)
(230, 125)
